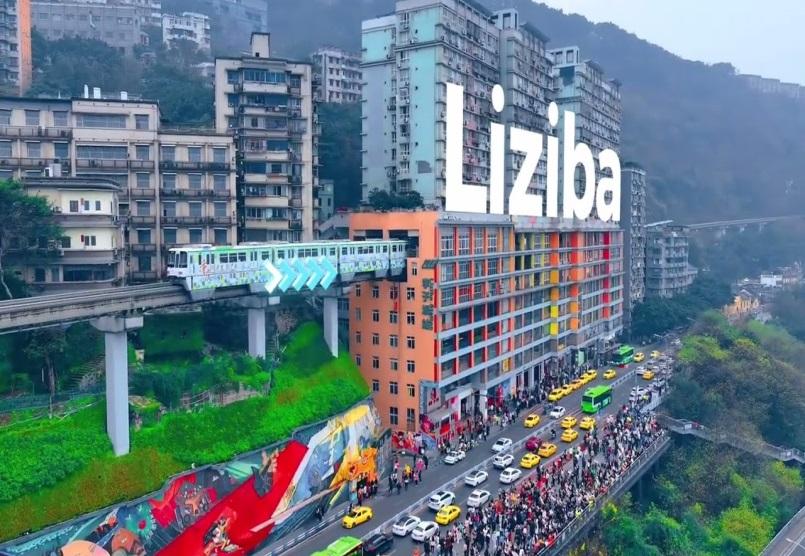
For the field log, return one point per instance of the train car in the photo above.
(207, 267)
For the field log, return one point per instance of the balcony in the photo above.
(196, 165)
(174, 192)
(26, 162)
(295, 225)
(143, 247)
(143, 192)
(222, 220)
(143, 275)
(186, 220)
(141, 164)
(94, 163)
(36, 131)
(145, 220)
(223, 193)
(296, 203)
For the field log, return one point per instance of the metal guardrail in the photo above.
(784, 531)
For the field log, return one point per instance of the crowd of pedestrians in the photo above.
(525, 519)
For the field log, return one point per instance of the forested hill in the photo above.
(713, 147)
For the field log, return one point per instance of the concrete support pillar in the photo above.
(331, 324)
(257, 332)
(117, 378)
(484, 403)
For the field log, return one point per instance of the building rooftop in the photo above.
(71, 183)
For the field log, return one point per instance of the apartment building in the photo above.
(633, 223)
(490, 305)
(177, 186)
(668, 272)
(268, 103)
(326, 200)
(15, 46)
(339, 75)
(188, 26)
(92, 252)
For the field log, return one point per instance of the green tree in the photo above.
(383, 200)
(26, 223)
(45, 347)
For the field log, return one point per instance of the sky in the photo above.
(765, 38)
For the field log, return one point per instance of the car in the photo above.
(567, 389)
(570, 435)
(475, 478)
(592, 374)
(557, 412)
(358, 515)
(509, 475)
(640, 369)
(655, 354)
(502, 461)
(638, 357)
(478, 498)
(648, 374)
(576, 384)
(405, 525)
(531, 421)
(556, 395)
(609, 374)
(377, 544)
(533, 443)
(637, 393)
(587, 423)
(454, 456)
(585, 379)
(547, 450)
(568, 422)
(424, 530)
(441, 499)
(448, 514)
(501, 445)
(529, 460)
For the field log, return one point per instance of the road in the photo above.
(386, 507)
(790, 541)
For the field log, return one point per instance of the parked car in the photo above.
(405, 525)
(441, 499)
(454, 456)
(475, 478)
(424, 530)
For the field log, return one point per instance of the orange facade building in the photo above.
(489, 305)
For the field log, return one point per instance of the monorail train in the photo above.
(205, 267)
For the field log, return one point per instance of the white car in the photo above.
(502, 461)
(501, 445)
(478, 498)
(476, 478)
(441, 499)
(638, 392)
(557, 412)
(405, 525)
(509, 475)
(454, 456)
(424, 530)
(640, 370)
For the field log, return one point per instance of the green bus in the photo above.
(623, 356)
(596, 398)
(345, 546)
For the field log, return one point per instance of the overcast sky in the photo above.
(762, 37)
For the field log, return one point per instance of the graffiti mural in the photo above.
(231, 508)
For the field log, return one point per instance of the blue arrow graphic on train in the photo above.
(316, 273)
(330, 273)
(304, 273)
(288, 275)
(275, 277)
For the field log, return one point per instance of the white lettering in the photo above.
(609, 210)
(459, 197)
(575, 154)
(521, 203)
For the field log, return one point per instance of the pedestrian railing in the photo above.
(751, 445)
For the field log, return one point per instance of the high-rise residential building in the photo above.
(268, 103)
(177, 186)
(326, 200)
(668, 272)
(15, 46)
(339, 75)
(633, 222)
(188, 26)
(490, 306)
(91, 254)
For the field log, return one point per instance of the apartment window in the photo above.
(61, 150)
(357, 337)
(196, 235)
(221, 209)
(414, 270)
(410, 294)
(102, 152)
(141, 121)
(375, 362)
(375, 339)
(168, 153)
(219, 155)
(73, 206)
(393, 388)
(5, 117)
(194, 154)
(144, 264)
(143, 235)
(410, 366)
(375, 315)
(220, 236)
(411, 390)
(32, 117)
(410, 341)
(394, 340)
(393, 416)
(169, 209)
(5, 148)
(143, 208)
(89, 241)
(410, 416)
(394, 364)
(194, 181)
(169, 181)
(357, 313)
(375, 292)
(219, 182)
(410, 317)
(195, 209)
(492, 243)
(60, 118)
(447, 245)
(143, 180)
(478, 241)
(143, 152)
(358, 360)
(34, 149)
(393, 317)
(169, 236)
(101, 121)
(375, 385)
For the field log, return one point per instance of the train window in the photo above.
(343, 250)
(332, 251)
(385, 248)
(265, 255)
(242, 257)
(182, 260)
(253, 255)
(351, 250)
(171, 259)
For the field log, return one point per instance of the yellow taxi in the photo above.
(592, 374)
(529, 460)
(547, 450)
(570, 435)
(584, 379)
(567, 389)
(609, 374)
(358, 515)
(587, 423)
(531, 421)
(576, 384)
(568, 422)
(655, 354)
(648, 374)
(639, 357)
(556, 395)
(447, 515)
